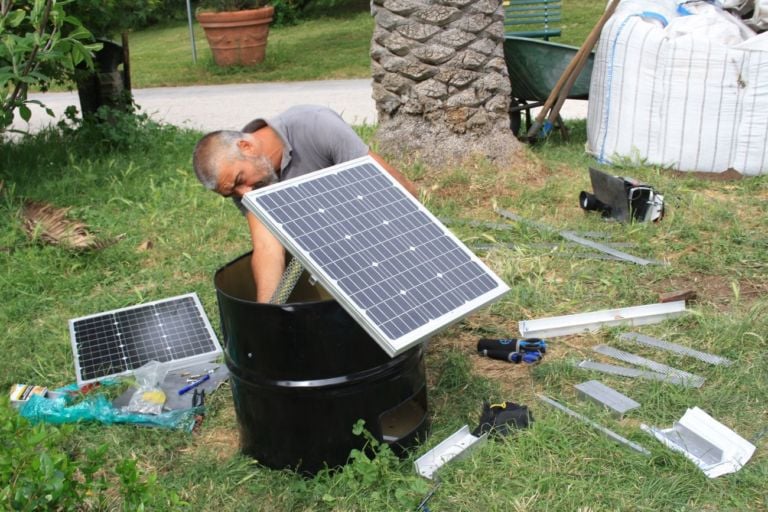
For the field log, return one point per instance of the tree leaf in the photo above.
(15, 18)
(25, 113)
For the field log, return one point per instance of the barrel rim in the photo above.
(289, 306)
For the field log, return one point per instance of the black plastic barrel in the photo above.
(304, 372)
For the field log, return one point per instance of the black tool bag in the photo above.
(502, 418)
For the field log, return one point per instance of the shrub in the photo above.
(108, 128)
(37, 473)
(106, 18)
(39, 45)
(42, 468)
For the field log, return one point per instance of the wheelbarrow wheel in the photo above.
(516, 108)
(515, 119)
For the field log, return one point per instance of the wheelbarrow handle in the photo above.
(571, 69)
(566, 89)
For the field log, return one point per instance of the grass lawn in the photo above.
(173, 236)
(324, 48)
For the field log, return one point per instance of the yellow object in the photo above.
(20, 393)
(155, 396)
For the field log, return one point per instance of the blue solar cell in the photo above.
(387, 260)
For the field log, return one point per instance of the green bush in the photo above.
(108, 128)
(165, 11)
(38, 472)
(40, 44)
(43, 468)
(107, 18)
(230, 5)
(376, 472)
(290, 12)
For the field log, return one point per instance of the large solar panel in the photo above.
(175, 331)
(386, 259)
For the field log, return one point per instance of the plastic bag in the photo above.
(760, 16)
(98, 408)
(148, 398)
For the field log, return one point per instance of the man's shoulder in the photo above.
(309, 108)
(296, 114)
(303, 112)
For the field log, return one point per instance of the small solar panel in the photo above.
(387, 260)
(175, 331)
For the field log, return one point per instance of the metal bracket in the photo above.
(606, 396)
(610, 433)
(581, 322)
(457, 445)
(632, 373)
(693, 380)
(713, 447)
(573, 237)
(674, 347)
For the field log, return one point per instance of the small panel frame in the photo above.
(88, 376)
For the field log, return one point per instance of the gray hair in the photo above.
(209, 153)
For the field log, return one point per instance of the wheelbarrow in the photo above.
(534, 67)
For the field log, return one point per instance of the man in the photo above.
(301, 140)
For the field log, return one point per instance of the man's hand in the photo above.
(267, 261)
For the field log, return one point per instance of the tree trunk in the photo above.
(105, 85)
(440, 81)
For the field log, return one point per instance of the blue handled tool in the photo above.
(532, 345)
(513, 344)
(512, 357)
(527, 350)
(193, 385)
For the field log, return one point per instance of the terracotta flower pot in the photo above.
(239, 37)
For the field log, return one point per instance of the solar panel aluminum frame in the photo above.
(392, 347)
(169, 365)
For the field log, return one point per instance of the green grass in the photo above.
(322, 48)
(325, 48)
(328, 46)
(579, 17)
(715, 237)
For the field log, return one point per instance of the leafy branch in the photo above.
(39, 44)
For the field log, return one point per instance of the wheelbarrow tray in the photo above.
(536, 65)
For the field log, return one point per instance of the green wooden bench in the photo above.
(532, 18)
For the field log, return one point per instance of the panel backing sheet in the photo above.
(175, 331)
(387, 260)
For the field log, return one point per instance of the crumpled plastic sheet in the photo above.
(98, 408)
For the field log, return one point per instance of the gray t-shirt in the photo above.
(313, 137)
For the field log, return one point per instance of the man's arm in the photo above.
(405, 182)
(267, 261)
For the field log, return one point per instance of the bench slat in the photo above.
(532, 12)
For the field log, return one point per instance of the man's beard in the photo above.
(263, 164)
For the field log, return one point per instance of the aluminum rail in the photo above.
(573, 237)
(610, 433)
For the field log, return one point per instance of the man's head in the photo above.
(232, 163)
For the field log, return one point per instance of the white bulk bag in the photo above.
(688, 92)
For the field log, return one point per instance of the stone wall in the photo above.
(439, 79)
